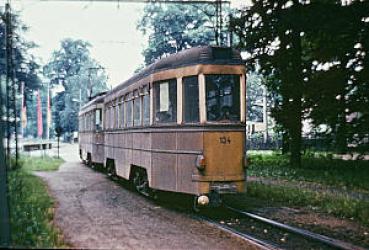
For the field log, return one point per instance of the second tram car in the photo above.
(178, 126)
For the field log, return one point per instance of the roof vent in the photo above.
(222, 53)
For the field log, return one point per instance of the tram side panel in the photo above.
(122, 153)
(85, 144)
(98, 148)
(164, 161)
(191, 145)
(141, 153)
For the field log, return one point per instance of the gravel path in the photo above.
(96, 213)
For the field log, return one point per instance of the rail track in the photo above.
(279, 236)
(304, 237)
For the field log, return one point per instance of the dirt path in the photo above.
(96, 213)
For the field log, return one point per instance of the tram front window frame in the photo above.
(223, 98)
(191, 99)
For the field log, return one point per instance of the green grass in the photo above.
(41, 163)
(320, 169)
(333, 174)
(31, 207)
(324, 202)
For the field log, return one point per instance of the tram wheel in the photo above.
(89, 161)
(111, 171)
(141, 184)
(195, 206)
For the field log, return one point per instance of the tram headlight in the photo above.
(200, 162)
(203, 200)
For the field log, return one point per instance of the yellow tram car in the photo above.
(177, 126)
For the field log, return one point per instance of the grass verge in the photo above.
(298, 188)
(344, 207)
(31, 207)
(320, 169)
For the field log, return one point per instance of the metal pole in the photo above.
(7, 60)
(217, 22)
(4, 207)
(265, 114)
(47, 112)
(14, 92)
(220, 23)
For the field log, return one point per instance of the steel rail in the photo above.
(307, 234)
(246, 237)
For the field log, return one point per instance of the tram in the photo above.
(179, 126)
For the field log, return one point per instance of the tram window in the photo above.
(106, 119)
(136, 109)
(166, 101)
(111, 116)
(191, 99)
(223, 97)
(90, 121)
(129, 108)
(98, 119)
(116, 115)
(146, 107)
(121, 113)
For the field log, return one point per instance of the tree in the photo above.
(24, 67)
(275, 41)
(174, 27)
(81, 77)
(311, 48)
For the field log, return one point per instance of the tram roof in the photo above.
(196, 55)
(99, 98)
(213, 55)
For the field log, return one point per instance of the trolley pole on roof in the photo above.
(90, 80)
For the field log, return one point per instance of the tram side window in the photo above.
(121, 113)
(166, 101)
(129, 104)
(87, 129)
(111, 116)
(191, 99)
(84, 122)
(106, 119)
(223, 97)
(136, 109)
(98, 119)
(146, 106)
(89, 121)
(116, 115)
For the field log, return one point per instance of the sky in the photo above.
(110, 27)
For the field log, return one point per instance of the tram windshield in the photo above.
(223, 98)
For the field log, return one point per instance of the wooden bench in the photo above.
(37, 146)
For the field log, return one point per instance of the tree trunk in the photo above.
(285, 143)
(295, 134)
(296, 94)
(341, 141)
